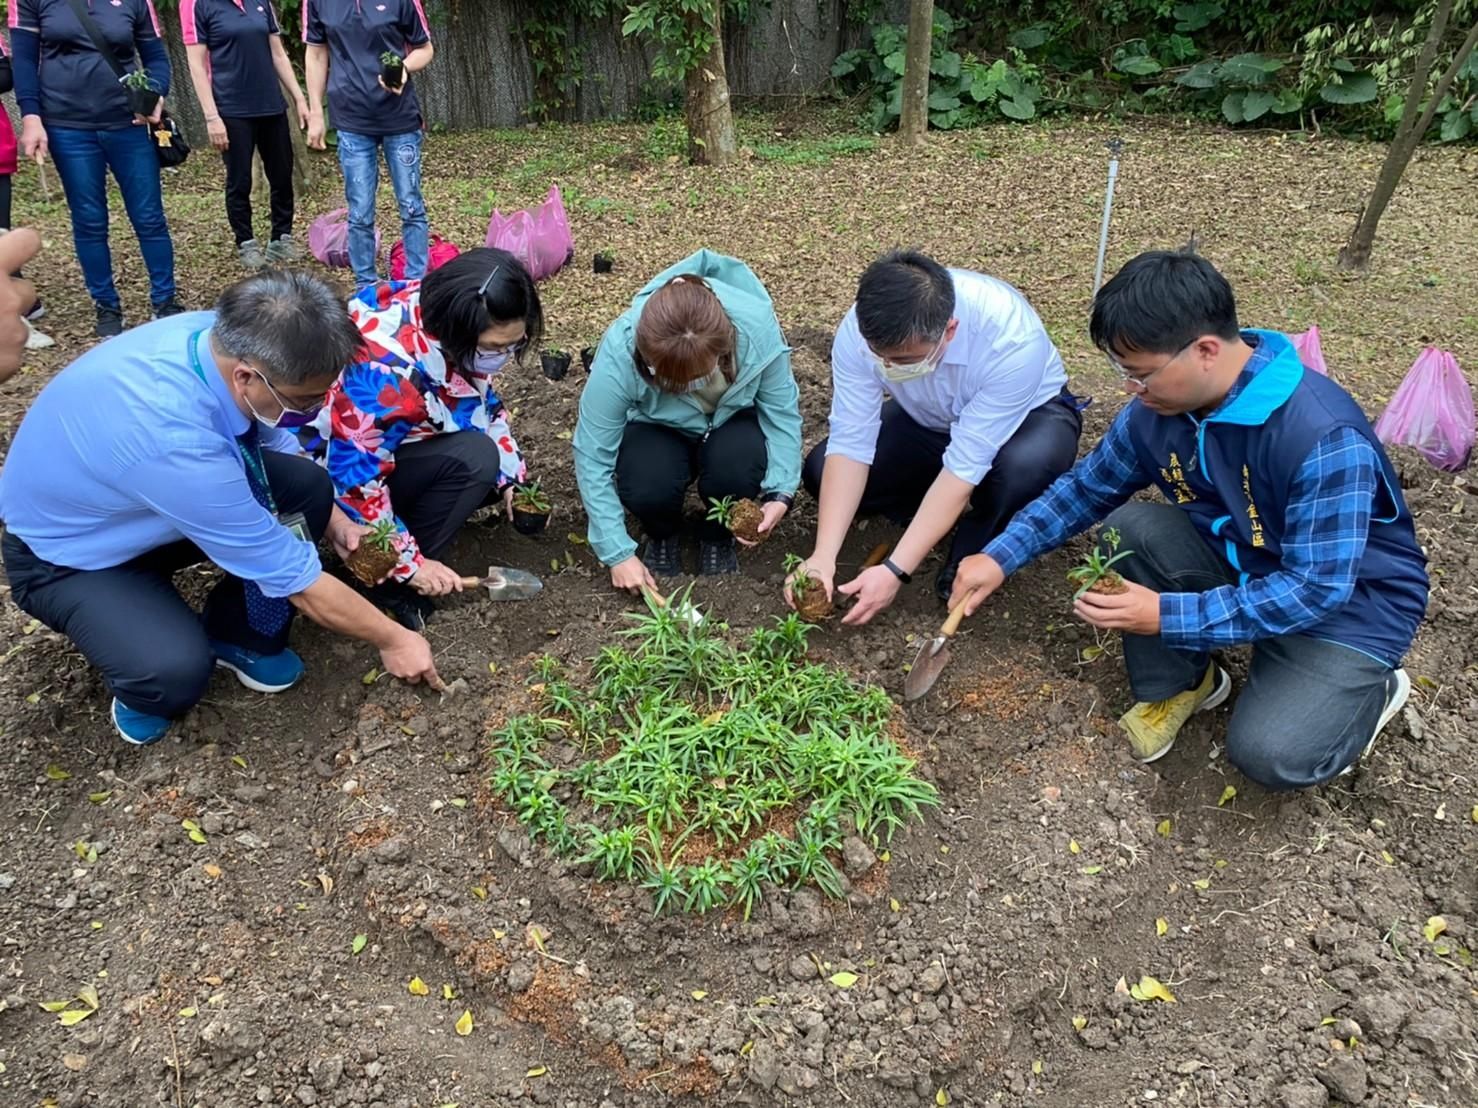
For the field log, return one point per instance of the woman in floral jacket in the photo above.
(415, 432)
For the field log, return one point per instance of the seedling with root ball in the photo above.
(1096, 573)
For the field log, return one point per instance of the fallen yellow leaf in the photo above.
(941, 1098)
(1436, 925)
(1163, 829)
(893, 905)
(1080, 1022)
(189, 1013)
(1226, 794)
(746, 1049)
(1162, 925)
(211, 869)
(464, 1024)
(54, 1005)
(479, 892)
(417, 987)
(89, 995)
(1203, 883)
(55, 772)
(537, 1071)
(1150, 988)
(74, 1016)
(699, 994)
(448, 993)
(1073, 847)
(843, 980)
(1037, 1067)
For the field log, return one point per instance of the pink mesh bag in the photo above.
(1432, 412)
(328, 238)
(1309, 350)
(539, 238)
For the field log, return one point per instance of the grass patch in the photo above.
(817, 151)
(704, 770)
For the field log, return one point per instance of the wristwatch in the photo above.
(891, 565)
(780, 497)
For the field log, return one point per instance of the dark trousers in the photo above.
(270, 135)
(657, 464)
(909, 457)
(152, 649)
(5, 194)
(1309, 707)
(439, 482)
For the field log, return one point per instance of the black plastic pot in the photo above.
(587, 358)
(392, 75)
(555, 363)
(603, 263)
(142, 101)
(529, 523)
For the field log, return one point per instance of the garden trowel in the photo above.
(506, 584)
(933, 655)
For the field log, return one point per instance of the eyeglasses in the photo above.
(893, 363)
(512, 349)
(287, 409)
(1140, 384)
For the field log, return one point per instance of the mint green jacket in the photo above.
(617, 394)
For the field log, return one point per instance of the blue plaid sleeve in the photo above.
(1082, 496)
(1325, 529)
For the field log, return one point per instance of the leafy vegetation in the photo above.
(708, 771)
(532, 499)
(1097, 566)
(381, 536)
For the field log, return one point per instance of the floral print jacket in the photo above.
(401, 391)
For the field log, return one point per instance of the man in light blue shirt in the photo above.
(172, 445)
(949, 405)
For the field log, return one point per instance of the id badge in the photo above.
(297, 523)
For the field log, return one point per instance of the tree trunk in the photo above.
(913, 120)
(709, 115)
(1355, 255)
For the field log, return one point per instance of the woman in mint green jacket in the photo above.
(693, 382)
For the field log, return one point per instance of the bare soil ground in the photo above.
(989, 941)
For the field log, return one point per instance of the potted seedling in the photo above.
(143, 94)
(742, 517)
(1096, 573)
(604, 261)
(392, 69)
(809, 594)
(587, 358)
(555, 363)
(375, 556)
(530, 509)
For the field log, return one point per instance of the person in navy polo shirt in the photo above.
(345, 41)
(171, 446)
(1284, 528)
(73, 107)
(239, 69)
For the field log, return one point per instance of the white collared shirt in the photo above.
(999, 366)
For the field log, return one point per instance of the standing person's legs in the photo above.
(731, 462)
(439, 482)
(5, 201)
(1043, 448)
(905, 463)
(135, 166)
(1167, 554)
(275, 141)
(82, 166)
(240, 140)
(403, 158)
(1308, 710)
(359, 159)
(653, 472)
(299, 485)
(127, 621)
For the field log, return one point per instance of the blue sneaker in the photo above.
(137, 728)
(267, 673)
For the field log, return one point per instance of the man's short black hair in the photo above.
(1160, 303)
(904, 297)
(291, 325)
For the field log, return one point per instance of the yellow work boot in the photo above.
(1152, 727)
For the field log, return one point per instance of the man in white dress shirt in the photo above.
(949, 406)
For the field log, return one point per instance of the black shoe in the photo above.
(944, 584)
(38, 310)
(168, 308)
(663, 557)
(110, 321)
(717, 559)
(406, 606)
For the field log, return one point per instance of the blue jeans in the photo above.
(83, 159)
(359, 159)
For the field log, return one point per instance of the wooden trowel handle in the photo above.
(471, 582)
(956, 614)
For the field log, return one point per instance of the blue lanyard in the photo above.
(251, 453)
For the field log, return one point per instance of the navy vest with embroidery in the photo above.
(1231, 473)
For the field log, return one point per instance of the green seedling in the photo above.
(530, 498)
(1096, 571)
(391, 58)
(138, 80)
(381, 536)
(722, 511)
(692, 745)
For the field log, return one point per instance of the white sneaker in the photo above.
(1394, 703)
(35, 340)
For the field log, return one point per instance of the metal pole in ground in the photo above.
(1115, 147)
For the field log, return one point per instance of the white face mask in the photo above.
(700, 383)
(910, 371)
(488, 363)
